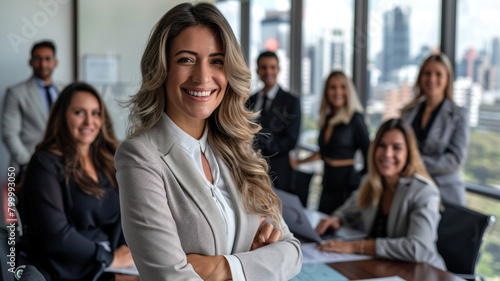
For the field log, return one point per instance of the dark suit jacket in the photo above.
(279, 134)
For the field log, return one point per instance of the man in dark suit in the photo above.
(280, 120)
(26, 106)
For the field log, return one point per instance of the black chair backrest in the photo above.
(460, 236)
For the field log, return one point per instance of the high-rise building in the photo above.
(275, 36)
(495, 59)
(487, 76)
(489, 117)
(396, 43)
(469, 64)
(331, 50)
(395, 100)
(315, 86)
(306, 77)
(468, 94)
(276, 31)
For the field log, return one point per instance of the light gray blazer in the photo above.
(445, 149)
(411, 224)
(167, 212)
(24, 119)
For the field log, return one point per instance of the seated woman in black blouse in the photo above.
(69, 201)
(343, 132)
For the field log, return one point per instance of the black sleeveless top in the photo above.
(345, 139)
(379, 228)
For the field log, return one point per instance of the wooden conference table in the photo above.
(374, 268)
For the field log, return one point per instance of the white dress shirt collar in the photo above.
(271, 94)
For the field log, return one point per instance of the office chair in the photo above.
(460, 236)
(300, 185)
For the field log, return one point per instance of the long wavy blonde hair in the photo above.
(372, 187)
(344, 114)
(231, 131)
(417, 89)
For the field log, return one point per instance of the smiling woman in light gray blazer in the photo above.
(397, 203)
(441, 127)
(194, 193)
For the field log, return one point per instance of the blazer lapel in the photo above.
(36, 100)
(276, 104)
(251, 101)
(412, 114)
(248, 222)
(188, 178)
(443, 118)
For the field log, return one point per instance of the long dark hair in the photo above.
(102, 150)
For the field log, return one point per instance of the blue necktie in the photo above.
(49, 97)
(265, 104)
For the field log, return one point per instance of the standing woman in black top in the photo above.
(441, 127)
(343, 132)
(69, 200)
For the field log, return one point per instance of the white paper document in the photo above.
(392, 278)
(313, 255)
(130, 270)
(318, 272)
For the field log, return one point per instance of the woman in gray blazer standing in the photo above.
(397, 203)
(195, 195)
(441, 127)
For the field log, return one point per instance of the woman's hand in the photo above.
(324, 224)
(266, 234)
(293, 162)
(210, 268)
(339, 246)
(122, 257)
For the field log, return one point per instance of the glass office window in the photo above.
(231, 9)
(477, 87)
(401, 34)
(270, 31)
(327, 45)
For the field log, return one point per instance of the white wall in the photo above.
(111, 27)
(118, 28)
(21, 24)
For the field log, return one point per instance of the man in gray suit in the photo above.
(26, 106)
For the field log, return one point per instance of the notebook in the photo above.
(303, 222)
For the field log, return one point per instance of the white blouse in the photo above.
(193, 149)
